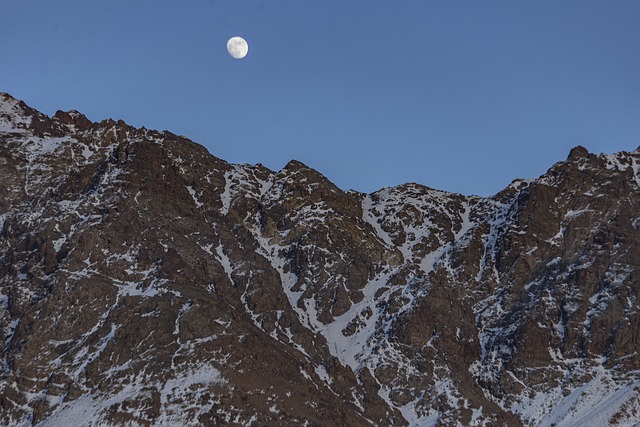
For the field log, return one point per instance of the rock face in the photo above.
(145, 282)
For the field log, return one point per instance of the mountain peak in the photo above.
(577, 153)
(73, 118)
(6, 98)
(15, 115)
(295, 165)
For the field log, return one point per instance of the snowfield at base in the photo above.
(91, 409)
(593, 404)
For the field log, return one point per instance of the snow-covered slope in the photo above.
(144, 281)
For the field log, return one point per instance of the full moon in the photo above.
(237, 47)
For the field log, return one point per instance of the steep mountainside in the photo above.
(145, 282)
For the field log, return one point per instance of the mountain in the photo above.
(144, 281)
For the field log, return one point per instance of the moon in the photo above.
(237, 47)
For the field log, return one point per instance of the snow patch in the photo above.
(194, 196)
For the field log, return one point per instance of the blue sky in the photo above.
(461, 96)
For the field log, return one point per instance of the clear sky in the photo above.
(461, 96)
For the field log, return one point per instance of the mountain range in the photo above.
(143, 281)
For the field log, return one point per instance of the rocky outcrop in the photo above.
(144, 281)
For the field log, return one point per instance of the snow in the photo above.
(4, 301)
(57, 244)
(350, 349)
(224, 261)
(185, 307)
(236, 181)
(10, 331)
(592, 404)
(12, 119)
(622, 162)
(194, 196)
(3, 218)
(85, 357)
(44, 146)
(182, 400)
(369, 217)
(226, 195)
(636, 169)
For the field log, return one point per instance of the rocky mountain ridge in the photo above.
(144, 281)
